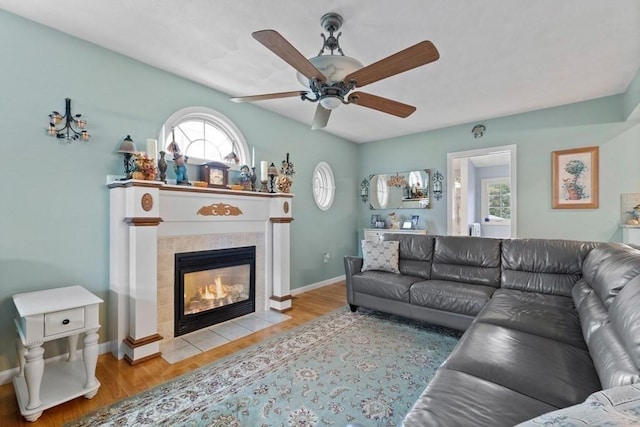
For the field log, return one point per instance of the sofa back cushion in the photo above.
(608, 301)
(473, 260)
(625, 319)
(416, 253)
(609, 267)
(543, 266)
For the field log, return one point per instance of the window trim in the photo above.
(204, 113)
(325, 200)
(484, 201)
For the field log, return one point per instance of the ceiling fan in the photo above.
(331, 79)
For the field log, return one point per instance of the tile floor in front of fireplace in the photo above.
(191, 344)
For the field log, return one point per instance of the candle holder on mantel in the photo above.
(253, 179)
(162, 167)
(263, 187)
(272, 173)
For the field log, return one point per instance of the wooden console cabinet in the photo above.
(50, 315)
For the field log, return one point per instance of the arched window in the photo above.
(324, 186)
(203, 135)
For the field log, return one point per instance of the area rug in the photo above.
(365, 367)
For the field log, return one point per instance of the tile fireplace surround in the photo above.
(151, 221)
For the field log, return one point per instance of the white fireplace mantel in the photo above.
(147, 214)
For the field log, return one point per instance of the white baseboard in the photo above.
(317, 285)
(7, 376)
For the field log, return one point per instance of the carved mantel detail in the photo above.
(220, 209)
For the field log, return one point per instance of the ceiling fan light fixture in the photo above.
(331, 102)
(334, 67)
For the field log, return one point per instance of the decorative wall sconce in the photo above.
(287, 167)
(128, 149)
(437, 185)
(70, 121)
(478, 130)
(272, 172)
(364, 190)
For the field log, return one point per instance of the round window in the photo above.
(324, 186)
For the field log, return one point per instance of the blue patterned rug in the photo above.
(365, 367)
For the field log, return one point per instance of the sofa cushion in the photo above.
(381, 256)
(456, 297)
(553, 372)
(473, 260)
(591, 311)
(612, 362)
(614, 273)
(384, 285)
(625, 318)
(416, 253)
(545, 320)
(455, 398)
(543, 266)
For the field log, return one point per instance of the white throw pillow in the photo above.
(380, 256)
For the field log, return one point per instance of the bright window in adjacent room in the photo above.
(324, 186)
(203, 135)
(496, 200)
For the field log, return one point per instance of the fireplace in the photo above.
(213, 286)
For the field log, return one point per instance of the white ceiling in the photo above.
(497, 57)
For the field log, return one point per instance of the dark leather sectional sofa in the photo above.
(547, 322)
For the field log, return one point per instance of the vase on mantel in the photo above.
(162, 167)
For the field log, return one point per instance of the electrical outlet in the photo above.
(326, 257)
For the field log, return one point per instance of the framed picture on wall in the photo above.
(575, 178)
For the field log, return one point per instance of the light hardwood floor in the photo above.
(120, 380)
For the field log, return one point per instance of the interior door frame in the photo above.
(511, 149)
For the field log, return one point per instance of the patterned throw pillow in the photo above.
(380, 256)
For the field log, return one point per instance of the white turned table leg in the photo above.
(72, 341)
(21, 352)
(33, 371)
(90, 355)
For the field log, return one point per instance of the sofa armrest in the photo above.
(352, 265)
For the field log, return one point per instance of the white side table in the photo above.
(49, 315)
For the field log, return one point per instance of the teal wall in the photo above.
(536, 134)
(55, 206)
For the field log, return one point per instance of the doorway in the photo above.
(481, 196)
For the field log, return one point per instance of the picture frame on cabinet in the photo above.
(407, 225)
(414, 221)
(374, 220)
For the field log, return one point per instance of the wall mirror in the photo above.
(400, 190)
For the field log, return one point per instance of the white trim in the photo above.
(205, 113)
(480, 152)
(317, 285)
(325, 199)
(484, 183)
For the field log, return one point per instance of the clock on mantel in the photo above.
(215, 174)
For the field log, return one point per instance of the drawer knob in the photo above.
(65, 322)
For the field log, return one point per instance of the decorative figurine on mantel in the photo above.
(180, 169)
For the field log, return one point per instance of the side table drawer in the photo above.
(63, 321)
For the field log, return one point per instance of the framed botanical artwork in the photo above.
(575, 178)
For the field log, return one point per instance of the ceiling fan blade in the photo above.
(405, 60)
(321, 118)
(379, 103)
(268, 96)
(273, 41)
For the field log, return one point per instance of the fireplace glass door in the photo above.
(208, 289)
(213, 286)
